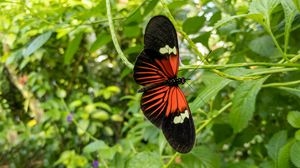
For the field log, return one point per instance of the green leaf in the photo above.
(275, 143)
(210, 90)
(297, 4)
(264, 46)
(249, 163)
(103, 106)
(293, 91)
(294, 119)
(70, 159)
(37, 43)
(132, 31)
(72, 48)
(297, 135)
(141, 11)
(95, 146)
(82, 126)
(230, 18)
(284, 154)
(243, 104)
(221, 132)
(295, 153)
(203, 38)
(263, 7)
(102, 39)
(145, 159)
(193, 24)
(149, 6)
(290, 12)
(203, 156)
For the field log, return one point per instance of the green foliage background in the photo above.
(68, 99)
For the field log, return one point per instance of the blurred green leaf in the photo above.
(293, 91)
(290, 12)
(37, 43)
(276, 142)
(100, 115)
(72, 48)
(70, 159)
(132, 31)
(203, 38)
(103, 106)
(145, 159)
(95, 146)
(264, 46)
(222, 132)
(243, 104)
(284, 155)
(293, 118)
(263, 7)
(61, 93)
(75, 103)
(117, 118)
(215, 54)
(203, 156)
(149, 6)
(141, 11)
(297, 4)
(102, 39)
(209, 91)
(193, 24)
(297, 135)
(295, 153)
(82, 126)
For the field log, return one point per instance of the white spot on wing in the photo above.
(168, 50)
(180, 118)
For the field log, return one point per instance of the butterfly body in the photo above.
(163, 102)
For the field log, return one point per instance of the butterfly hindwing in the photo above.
(154, 104)
(178, 125)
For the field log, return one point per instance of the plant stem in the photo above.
(114, 37)
(238, 65)
(276, 42)
(206, 122)
(274, 70)
(279, 84)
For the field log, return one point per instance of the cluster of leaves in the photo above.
(67, 97)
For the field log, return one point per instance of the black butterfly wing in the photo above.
(178, 125)
(160, 33)
(165, 106)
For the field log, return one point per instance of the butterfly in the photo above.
(162, 101)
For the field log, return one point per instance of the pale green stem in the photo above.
(114, 37)
(281, 84)
(275, 41)
(237, 65)
(274, 70)
(296, 58)
(206, 122)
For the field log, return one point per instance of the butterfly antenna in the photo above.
(206, 61)
(193, 90)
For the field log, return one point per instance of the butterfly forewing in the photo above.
(160, 33)
(164, 104)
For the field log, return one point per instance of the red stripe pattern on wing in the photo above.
(153, 71)
(159, 102)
